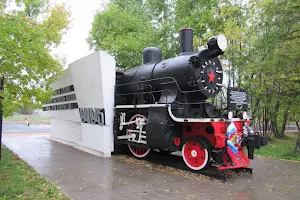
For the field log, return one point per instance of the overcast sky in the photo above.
(74, 44)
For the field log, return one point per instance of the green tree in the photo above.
(273, 61)
(126, 27)
(263, 41)
(295, 117)
(26, 37)
(199, 15)
(123, 30)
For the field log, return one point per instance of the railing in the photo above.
(170, 83)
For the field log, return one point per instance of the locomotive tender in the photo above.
(179, 105)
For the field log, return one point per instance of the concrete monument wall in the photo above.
(82, 110)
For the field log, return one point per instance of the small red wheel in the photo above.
(195, 155)
(139, 152)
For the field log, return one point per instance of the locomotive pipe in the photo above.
(186, 40)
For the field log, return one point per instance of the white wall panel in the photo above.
(93, 78)
(67, 130)
(68, 115)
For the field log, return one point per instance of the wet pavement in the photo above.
(85, 176)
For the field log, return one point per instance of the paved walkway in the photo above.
(84, 176)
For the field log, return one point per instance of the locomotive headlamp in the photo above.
(217, 42)
(230, 115)
(245, 115)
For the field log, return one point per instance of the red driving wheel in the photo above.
(195, 155)
(137, 151)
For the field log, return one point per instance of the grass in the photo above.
(280, 148)
(32, 119)
(19, 181)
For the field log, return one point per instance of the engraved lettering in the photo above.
(92, 116)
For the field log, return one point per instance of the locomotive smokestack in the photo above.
(186, 40)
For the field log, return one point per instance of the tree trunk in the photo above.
(274, 125)
(1, 114)
(265, 122)
(297, 147)
(259, 125)
(274, 119)
(285, 117)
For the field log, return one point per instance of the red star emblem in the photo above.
(211, 77)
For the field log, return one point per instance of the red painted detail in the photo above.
(211, 77)
(217, 138)
(248, 122)
(198, 129)
(220, 140)
(138, 150)
(194, 154)
(239, 125)
(220, 134)
(177, 141)
(186, 29)
(240, 160)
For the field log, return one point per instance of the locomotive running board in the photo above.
(141, 106)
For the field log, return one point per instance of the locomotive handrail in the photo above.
(162, 90)
(185, 91)
(167, 82)
(156, 91)
(150, 80)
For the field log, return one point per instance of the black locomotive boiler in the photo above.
(172, 105)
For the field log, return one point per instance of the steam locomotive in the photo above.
(181, 105)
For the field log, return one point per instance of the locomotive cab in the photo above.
(181, 104)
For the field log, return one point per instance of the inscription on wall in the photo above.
(64, 90)
(56, 102)
(92, 116)
(66, 106)
(70, 97)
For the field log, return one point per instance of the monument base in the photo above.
(82, 106)
(78, 146)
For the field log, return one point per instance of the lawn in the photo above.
(19, 181)
(280, 148)
(32, 119)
